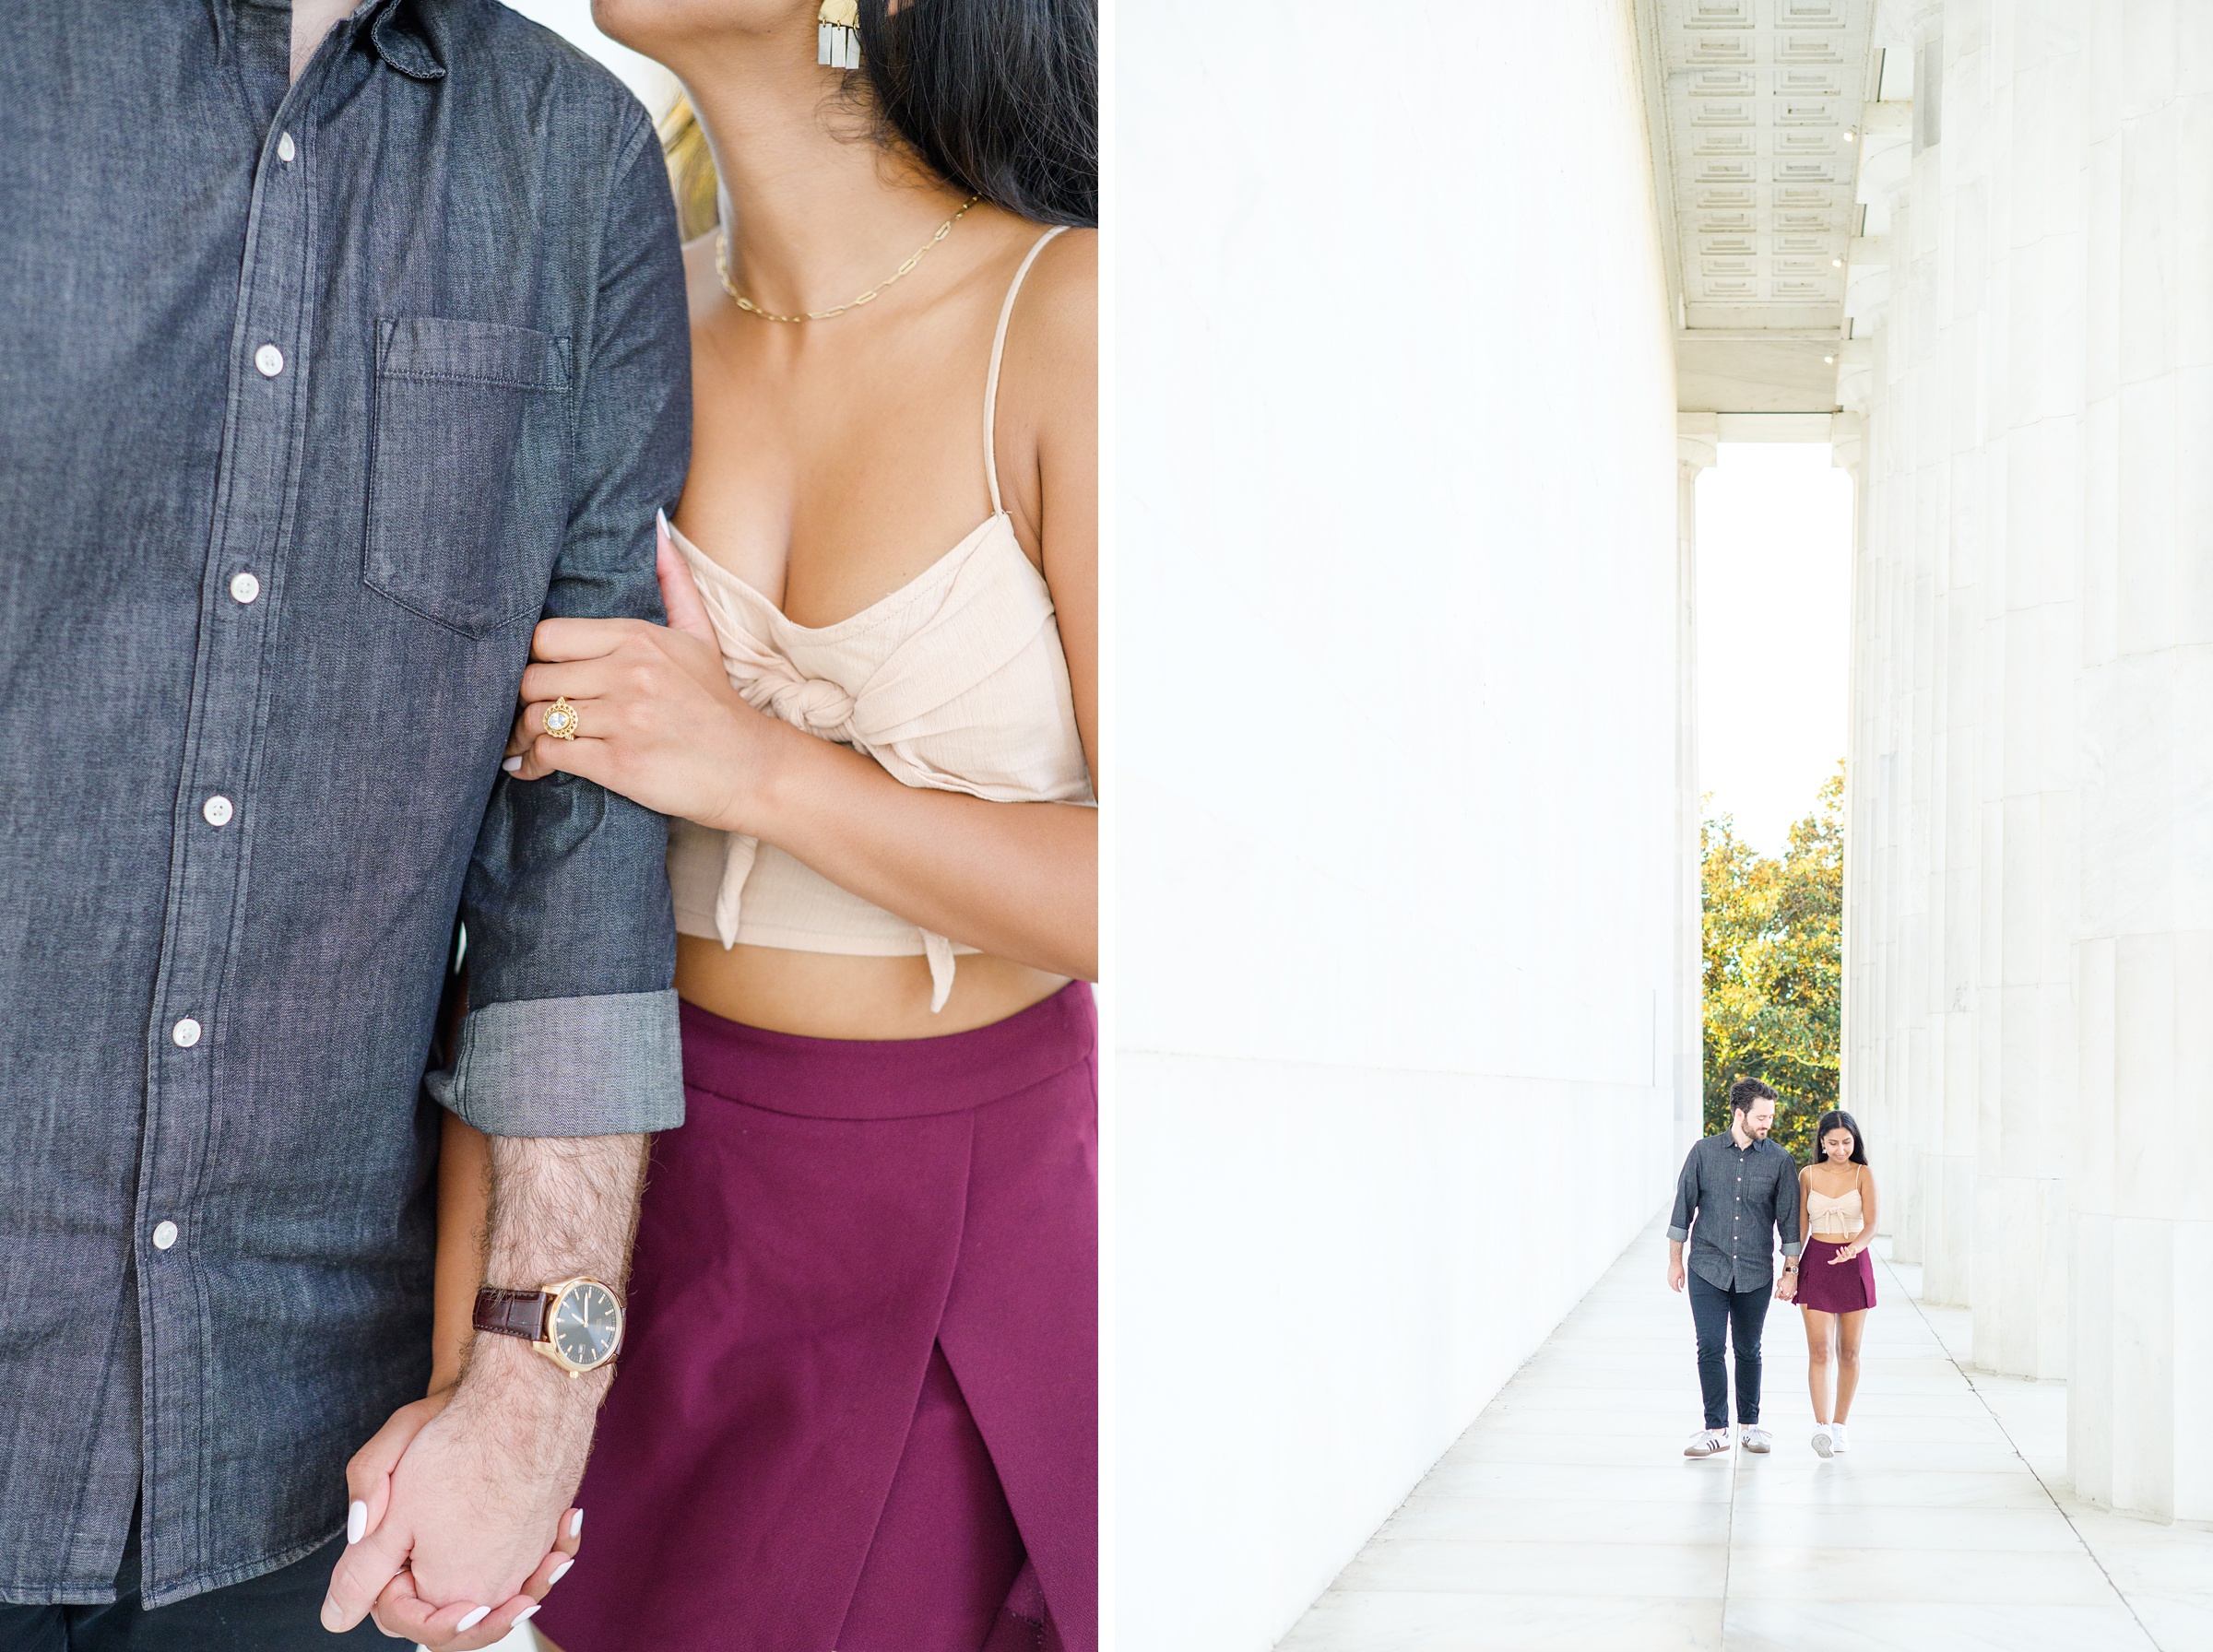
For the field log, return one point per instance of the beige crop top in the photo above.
(1835, 1219)
(955, 682)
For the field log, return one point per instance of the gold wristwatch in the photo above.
(575, 1323)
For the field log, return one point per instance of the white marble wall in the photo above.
(1394, 762)
(2030, 893)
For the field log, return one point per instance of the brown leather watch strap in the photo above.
(512, 1313)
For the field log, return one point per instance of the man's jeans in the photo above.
(280, 1612)
(1739, 1315)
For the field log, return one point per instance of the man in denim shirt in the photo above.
(337, 348)
(1741, 1192)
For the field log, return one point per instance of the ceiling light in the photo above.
(1847, 136)
(1828, 360)
(1836, 264)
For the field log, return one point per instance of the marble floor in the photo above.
(1566, 1518)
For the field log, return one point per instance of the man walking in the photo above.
(342, 342)
(1738, 1194)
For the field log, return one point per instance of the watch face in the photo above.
(587, 1324)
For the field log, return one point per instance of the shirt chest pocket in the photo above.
(468, 470)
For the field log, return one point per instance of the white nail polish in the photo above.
(662, 517)
(512, 764)
(527, 1613)
(472, 1619)
(560, 1572)
(357, 1521)
(575, 1522)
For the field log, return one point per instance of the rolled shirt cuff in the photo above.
(604, 1065)
(1789, 1250)
(1678, 1234)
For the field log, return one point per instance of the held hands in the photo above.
(451, 1542)
(1786, 1286)
(656, 717)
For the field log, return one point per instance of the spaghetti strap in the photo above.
(999, 346)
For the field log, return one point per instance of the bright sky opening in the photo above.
(1774, 537)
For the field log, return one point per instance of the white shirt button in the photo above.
(165, 1236)
(269, 360)
(286, 148)
(244, 587)
(217, 811)
(185, 1034)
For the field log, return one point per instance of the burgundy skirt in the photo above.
(857, 1411)
(1834, 1288)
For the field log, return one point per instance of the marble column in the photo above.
(1953, 183)
(2140, 1395)
(1697, 445)
(1918, 412)
(1882, 920)
(1881, 650)
(1848, 453)
(2033, 389)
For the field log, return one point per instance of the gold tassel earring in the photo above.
(837, 34)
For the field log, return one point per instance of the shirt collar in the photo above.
(405, 37)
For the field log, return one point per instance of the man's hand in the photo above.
(1675, 1272)
(441, 1537)
(1787, 1286)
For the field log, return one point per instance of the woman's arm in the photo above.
(661, 725)
(464, 1208)
(1868, 1208)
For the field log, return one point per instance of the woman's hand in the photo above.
(1846, 1254)
(399, 1610)
(656, 718)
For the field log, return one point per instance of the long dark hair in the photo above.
(1001, 97)
(1835, 1119)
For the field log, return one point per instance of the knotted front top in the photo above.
(1829, 1218)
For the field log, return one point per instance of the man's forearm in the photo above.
(561, 1206)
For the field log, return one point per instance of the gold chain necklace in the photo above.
(722, 268)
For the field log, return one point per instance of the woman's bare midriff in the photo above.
(831, 995)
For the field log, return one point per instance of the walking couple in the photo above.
(351, 360)
(1738, 1194)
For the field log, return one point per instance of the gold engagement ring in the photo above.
(561, 719)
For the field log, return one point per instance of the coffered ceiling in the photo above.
(1756, 111)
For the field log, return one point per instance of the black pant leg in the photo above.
(34, 1629)
(1710, 1312)
(279, 1612)
(1748, 1320)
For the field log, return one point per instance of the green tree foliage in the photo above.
(1774, 934)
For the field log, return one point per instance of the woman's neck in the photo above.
(816, 210)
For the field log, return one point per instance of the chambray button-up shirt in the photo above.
(1732, 1203)
(313, 398)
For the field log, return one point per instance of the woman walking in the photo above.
(1836, 1277)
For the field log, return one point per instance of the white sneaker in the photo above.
(1706, 1442)
(1825, 1437)
(1843, 1443)
(1757, 1438)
